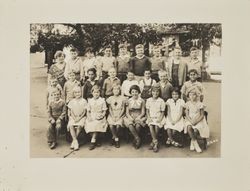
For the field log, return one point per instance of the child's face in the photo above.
(73, 54)
(163, 77)
(77, 93)
(194, 54)
(89, 54)
(139, 51)
(107, 52)
(123, 51)
(177, 53)
(72, 76)
(116, 91)
(193, 76)
(91, 75)
(56, 96)
(60, 58)
(147, 74)
(155, 93)
(157, 52)
(130, 76)
(175, 95)
(112, 73)
(96, 93)
(134, 93)
(53, 82)
(192, 96)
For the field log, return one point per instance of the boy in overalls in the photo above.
(146, 84)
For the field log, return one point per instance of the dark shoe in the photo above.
(92, 146)
(156, 148)
(151, 146)
(53, 145)
(117, 144)
(137, 143)
(112, 142)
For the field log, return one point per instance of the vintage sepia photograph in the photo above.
(125, 90)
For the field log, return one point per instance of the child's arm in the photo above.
(128, 114)
(47, 98)
(179, 115)
(50, 117)
(142, 111)
(104, 88)
(64, 92)
(187, 116)
(66, 71)
(199, 117)
(148, 115)
(169, 115)
(63, 114)
(122, 112)
(160, 117)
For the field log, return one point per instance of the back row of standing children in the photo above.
(144, 82)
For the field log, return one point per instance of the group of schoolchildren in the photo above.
(126, 92)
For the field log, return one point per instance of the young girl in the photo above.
(175, 121)
(155, 116)
(58, 68)
(56, 112)
(54, 85)
(77, 108)
(116, 104)
(69, 86)
(195, 121)
(135, 114)
(96, 111)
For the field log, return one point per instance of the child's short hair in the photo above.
(193, 70)
(177, 90)
(117, 86)
(134, 87)
(130, 71)
(95, 88)
(59, 53)
(162, 72)
(147, 69)
(73, 50)
(107, 47)
(112, 68)
(156, 87)
(193, 91)
(122, 46)
(139, 46)
(193, 49)
(89, 49)
(53, 77)
(156, 47)
(177, 48)
(71, 72)
(91, 70)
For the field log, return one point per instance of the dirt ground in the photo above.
(38, 126)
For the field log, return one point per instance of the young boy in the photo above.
(90, 82)
(54, 85)
(146, 84)
(139, 63)
(107, 61)
(89, 62)
(74, 64)
(192, 84)
(109, 82)
(69, 86)
(56, 113)
(158, 62)
(128, 83)
(122, 63)
(177, 68)
(165, 85)
(195, 63)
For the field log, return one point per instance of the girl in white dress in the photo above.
(175, 121)
(155, 107)
(96, 110)
(77, 108)
(195, 123)
(116, 104)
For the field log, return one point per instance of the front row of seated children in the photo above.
(132, 112)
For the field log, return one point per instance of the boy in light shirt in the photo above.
(128, 83)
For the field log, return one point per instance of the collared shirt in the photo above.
(108, 85)
(166, 89)
(155, 106)
(68, 89)
(157, 64)
(122, 64)
(57, 109)
(195, 64)
(86, 93)
(106, 63)
(188, 86)
(138, 65)
(146, 82)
